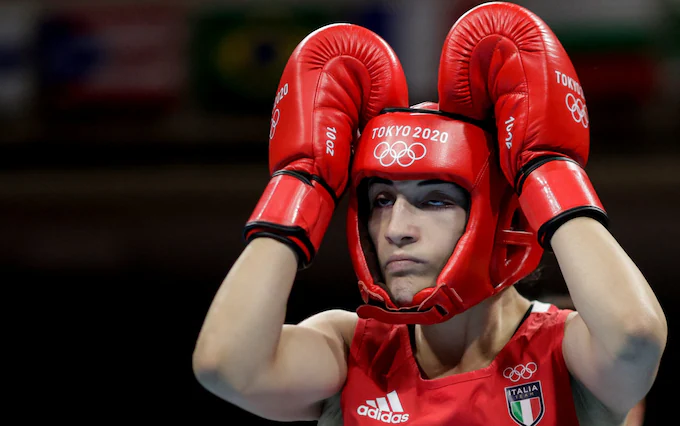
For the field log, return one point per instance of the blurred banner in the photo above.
(238, 54)
(197, 64)
(670, 41)
(17, 79)
(112, 56)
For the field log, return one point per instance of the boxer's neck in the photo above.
(471, 340)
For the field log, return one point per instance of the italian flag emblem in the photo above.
(525, 403)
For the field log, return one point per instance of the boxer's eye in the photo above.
(382, 200)
(437, 201)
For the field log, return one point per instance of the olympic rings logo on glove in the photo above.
(578, 109)
(275, 120)
(520, 372)
(399, 152)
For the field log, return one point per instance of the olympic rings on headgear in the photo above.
(520, 372)
(389, 154)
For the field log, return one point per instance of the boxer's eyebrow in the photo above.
(432, 182)
(374, 180)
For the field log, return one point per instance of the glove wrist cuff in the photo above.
(556, 192)
(294, 211)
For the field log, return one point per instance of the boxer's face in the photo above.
(414, 226)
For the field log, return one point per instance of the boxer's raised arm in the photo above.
(502, 58)
(243, 354)
(614, 345)
(336, 80)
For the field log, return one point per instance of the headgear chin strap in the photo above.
(497, 248)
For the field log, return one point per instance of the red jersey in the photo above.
(526, 384)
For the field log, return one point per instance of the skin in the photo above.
(422, 220)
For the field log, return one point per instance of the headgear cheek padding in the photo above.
(496, 249)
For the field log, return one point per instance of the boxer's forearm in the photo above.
(608, 290)
(243, 325)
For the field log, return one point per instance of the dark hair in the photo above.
(540, 281)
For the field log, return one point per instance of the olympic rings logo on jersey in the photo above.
(578, 109)
(275, 120)
(399, 152)
(520, 372)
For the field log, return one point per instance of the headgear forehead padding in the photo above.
(496, 249)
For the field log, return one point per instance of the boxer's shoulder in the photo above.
(334, 323)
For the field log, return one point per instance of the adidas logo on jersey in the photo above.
(387, 410)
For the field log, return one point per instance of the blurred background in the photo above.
(134, 147)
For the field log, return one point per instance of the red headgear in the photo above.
(497, 248)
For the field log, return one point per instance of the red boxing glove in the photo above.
(500, 60)
(339, 77)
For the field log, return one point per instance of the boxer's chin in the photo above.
(403, 289)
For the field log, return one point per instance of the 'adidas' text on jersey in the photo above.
(386, 409)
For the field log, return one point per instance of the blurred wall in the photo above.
(134, 147)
